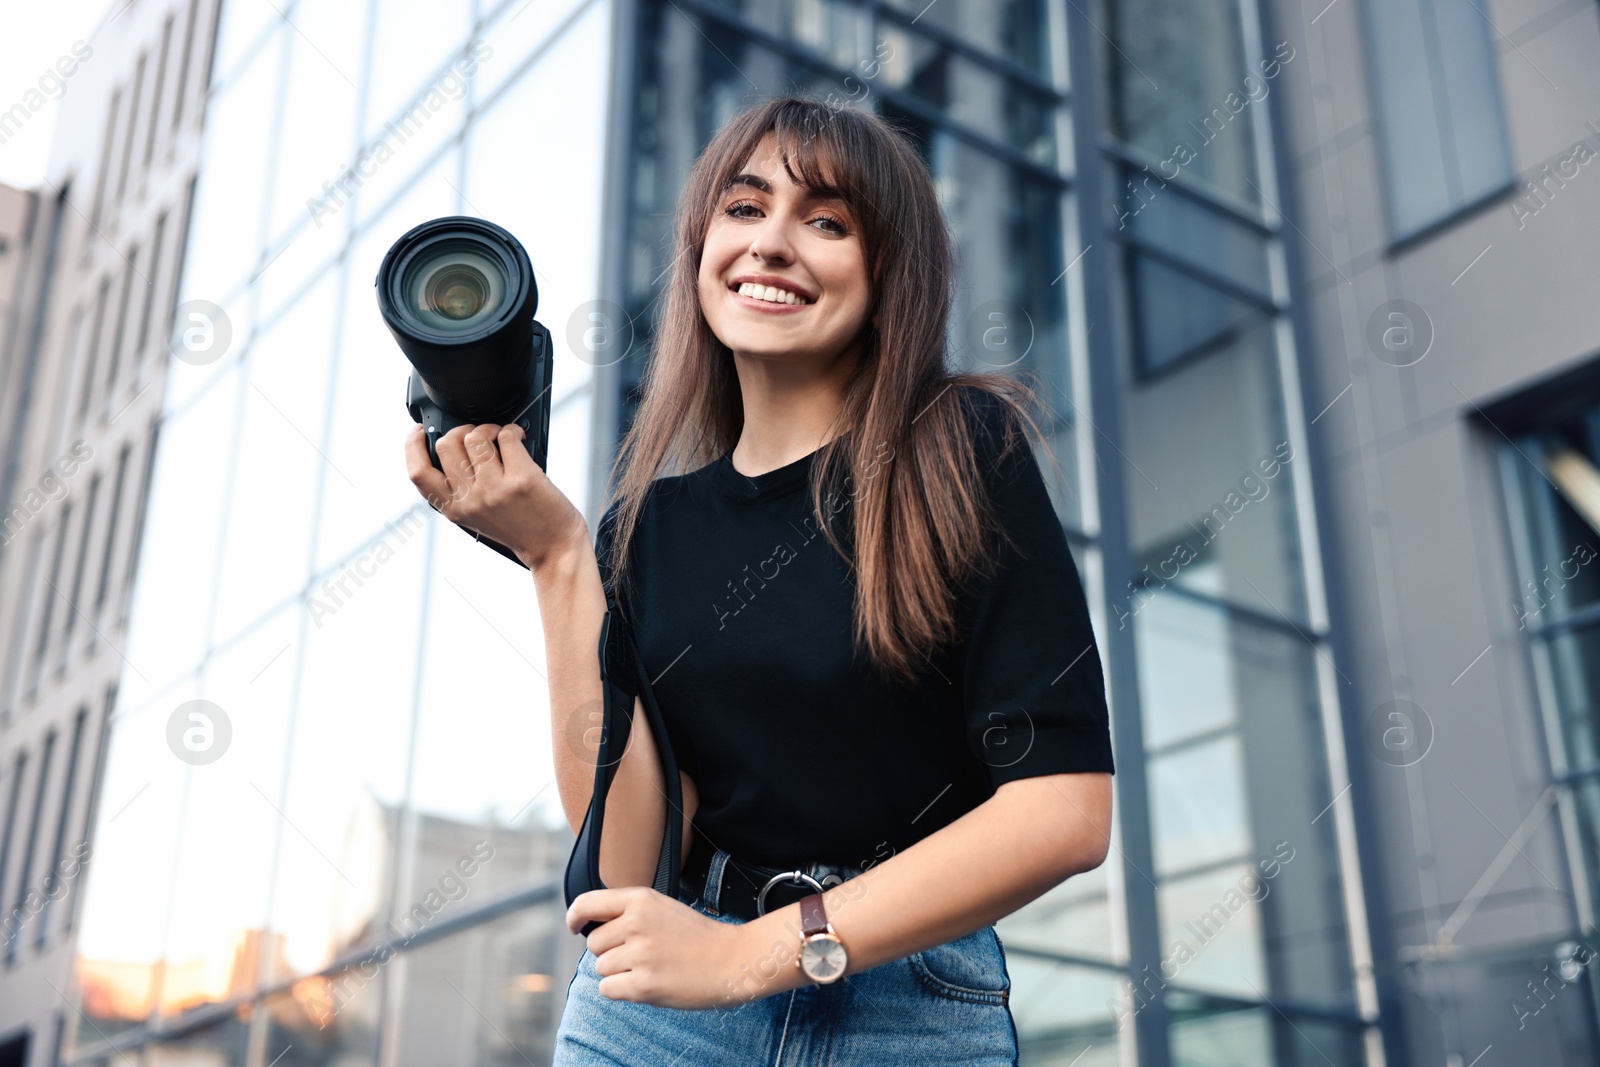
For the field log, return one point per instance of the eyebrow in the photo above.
(816, 192)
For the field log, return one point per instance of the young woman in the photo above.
(861, 621)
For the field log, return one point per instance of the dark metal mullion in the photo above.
(1576, 776)
(1004, 152)
(1199, 273)
(1136, 854)
(1014, 947)
(1587, 615)
(1178, 747)
(1252, 614)
(1190, 189)
(1299, 1009)
(1217, 863)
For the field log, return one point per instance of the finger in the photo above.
(455, 461)
(596, 905)
(433, 485)
(513, 453)
(618, 987)
(614, 960)
(607, 937)
(480, 441)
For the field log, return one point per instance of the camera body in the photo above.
(437, 420)
(458, 295)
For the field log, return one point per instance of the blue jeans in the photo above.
(947, 1005)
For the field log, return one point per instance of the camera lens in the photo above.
(457, 293)
(454, 287)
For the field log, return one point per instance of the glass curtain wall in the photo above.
(1552, 478)
(1550, 470)
(1232, 820)
(1236, 683)
(333, 727)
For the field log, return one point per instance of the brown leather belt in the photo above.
(737, 887)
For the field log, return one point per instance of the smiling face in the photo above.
(783, 274)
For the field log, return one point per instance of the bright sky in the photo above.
(35, 36)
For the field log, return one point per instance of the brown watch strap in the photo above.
(813, 917)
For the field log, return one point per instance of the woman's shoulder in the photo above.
(996, 428)
(657, 494)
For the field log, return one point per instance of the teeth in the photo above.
(770, 293)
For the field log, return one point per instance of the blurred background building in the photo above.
(1307, 288)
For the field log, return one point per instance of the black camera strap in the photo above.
(622, 679)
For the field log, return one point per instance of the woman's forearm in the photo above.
(1030, 836)
(571, 606)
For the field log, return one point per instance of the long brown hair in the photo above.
(922, 521)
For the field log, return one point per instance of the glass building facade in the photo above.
(1109, 175)
(375, 721)
(354, 776)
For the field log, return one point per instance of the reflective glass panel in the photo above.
(181, 541)
(350, 742)
(1205, 1035)
(274, 482)
(319, 108)
(1018, 30)
(1240, 804)
(1182, 90)
(1064, 1013)
(1210, 476)
(224, 237)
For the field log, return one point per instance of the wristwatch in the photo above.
(822, 954)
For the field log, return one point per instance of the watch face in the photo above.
(822, 958)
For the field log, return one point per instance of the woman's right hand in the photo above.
(493, 487)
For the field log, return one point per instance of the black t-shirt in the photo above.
(801, 751)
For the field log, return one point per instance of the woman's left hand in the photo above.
(658, 950)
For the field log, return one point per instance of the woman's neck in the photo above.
(789, 411)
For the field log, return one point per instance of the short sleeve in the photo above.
(1033, 692)
(604, 537)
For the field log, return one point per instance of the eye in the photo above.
(838, 226)
(733, 209)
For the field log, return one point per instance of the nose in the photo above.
(770, 241)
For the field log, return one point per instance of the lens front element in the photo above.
(457, 292)
(455, 288)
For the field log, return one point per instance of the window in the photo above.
(91, 355)
(72, 608)
(91, 810)
(1551, 474)
(138, 520)
(53, 872)
(141, 337)
(120, 332)
(133, 125)
(28, 846)
(105, 163)
(111, 529)
(183, 64)
(15, 653)
(19, 769)
(50, 594)
(155, 94)
(1437, 103)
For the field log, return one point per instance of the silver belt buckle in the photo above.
(786, 876)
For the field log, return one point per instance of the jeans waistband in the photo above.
(729, 886)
